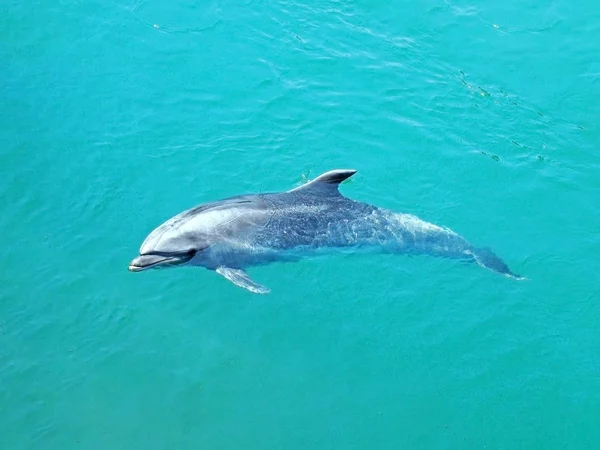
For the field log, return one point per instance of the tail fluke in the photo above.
(488, 259)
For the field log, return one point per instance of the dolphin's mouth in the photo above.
(144, 262)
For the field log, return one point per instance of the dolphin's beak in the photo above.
(144, 262)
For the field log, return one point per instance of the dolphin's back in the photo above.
(312, 221)
(305, 220)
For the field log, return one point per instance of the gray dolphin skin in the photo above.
(230, 235)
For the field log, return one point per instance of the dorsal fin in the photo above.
(327, 182)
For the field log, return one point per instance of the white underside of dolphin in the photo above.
(231, 235)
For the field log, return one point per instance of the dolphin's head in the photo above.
(170, 245)
(187, 235)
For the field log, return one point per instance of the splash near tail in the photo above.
(485, 257)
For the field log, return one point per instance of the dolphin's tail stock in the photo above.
(485, 257)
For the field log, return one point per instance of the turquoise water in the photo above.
(117, 115)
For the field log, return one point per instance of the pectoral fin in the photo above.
(240, 278)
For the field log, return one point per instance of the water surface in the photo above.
(117, 115)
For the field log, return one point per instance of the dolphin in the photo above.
(231, 235)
